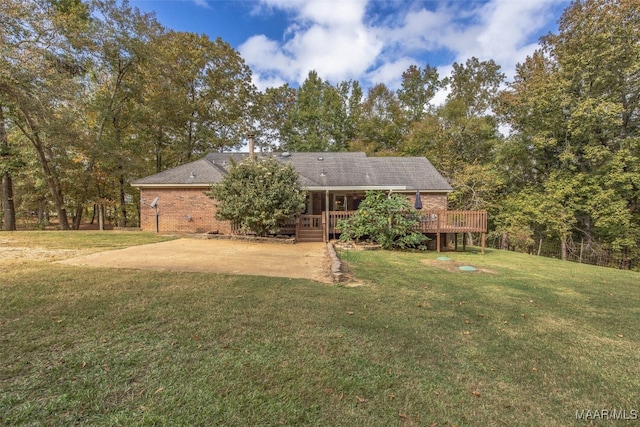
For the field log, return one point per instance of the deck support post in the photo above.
(483, 242)
(455, 245)
(438, 242)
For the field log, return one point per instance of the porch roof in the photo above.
(317, 170)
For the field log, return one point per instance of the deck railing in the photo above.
(436, 221)
(452, 221)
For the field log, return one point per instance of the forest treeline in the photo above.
(94, 94)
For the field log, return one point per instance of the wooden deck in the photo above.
(439, 221)
(436, 222)
(314, 228)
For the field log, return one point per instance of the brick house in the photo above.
(175, 200)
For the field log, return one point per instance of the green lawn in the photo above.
(530, 342)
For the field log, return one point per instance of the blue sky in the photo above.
(373, 41)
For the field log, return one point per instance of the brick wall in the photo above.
(180, 210)
(430, 201)
(189, 210)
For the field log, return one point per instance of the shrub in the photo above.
(384, 219)
(259, 195)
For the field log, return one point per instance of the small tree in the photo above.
(259, 195)
(386, 220)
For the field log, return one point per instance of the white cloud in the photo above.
(346, 39)
(201, 3)
(325, 36)
(390, 73)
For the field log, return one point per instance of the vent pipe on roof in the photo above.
(251, 136)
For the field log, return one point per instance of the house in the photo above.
(175, 201)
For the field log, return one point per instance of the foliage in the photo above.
(574, 107)
(384, 219)
(258, 195)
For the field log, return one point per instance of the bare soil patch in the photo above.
(12, 254)
(301, 260)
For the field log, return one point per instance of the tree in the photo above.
(258, 195)
(274, 107)
(475, 85)
(381, 121)
(417, 90)
(574, 107)
(384, 219)
(319, 118)
(37, 80)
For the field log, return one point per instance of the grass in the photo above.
(528, 343)
(90, 241)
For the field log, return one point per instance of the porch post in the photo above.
(328, 225)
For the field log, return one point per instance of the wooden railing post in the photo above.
(325, 230)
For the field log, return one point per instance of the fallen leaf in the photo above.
(392, 396)
(350, 313)
(158, 390)
(534, 369)
(466, 332)
(84, 364)
(361, 399)
(620, 336)
(523, 315)
(476, 393)
(59, 321)
(467, 321)
(403, 416)
(341, 396)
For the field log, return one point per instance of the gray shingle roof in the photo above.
(323, 170)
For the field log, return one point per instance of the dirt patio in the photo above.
(300, 260)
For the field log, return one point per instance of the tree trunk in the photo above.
(563, 248)
(7, 203)
(101, 217)
(7, 183)
(52, 179)
(42, 206)
(504, 243)
(77, 219)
